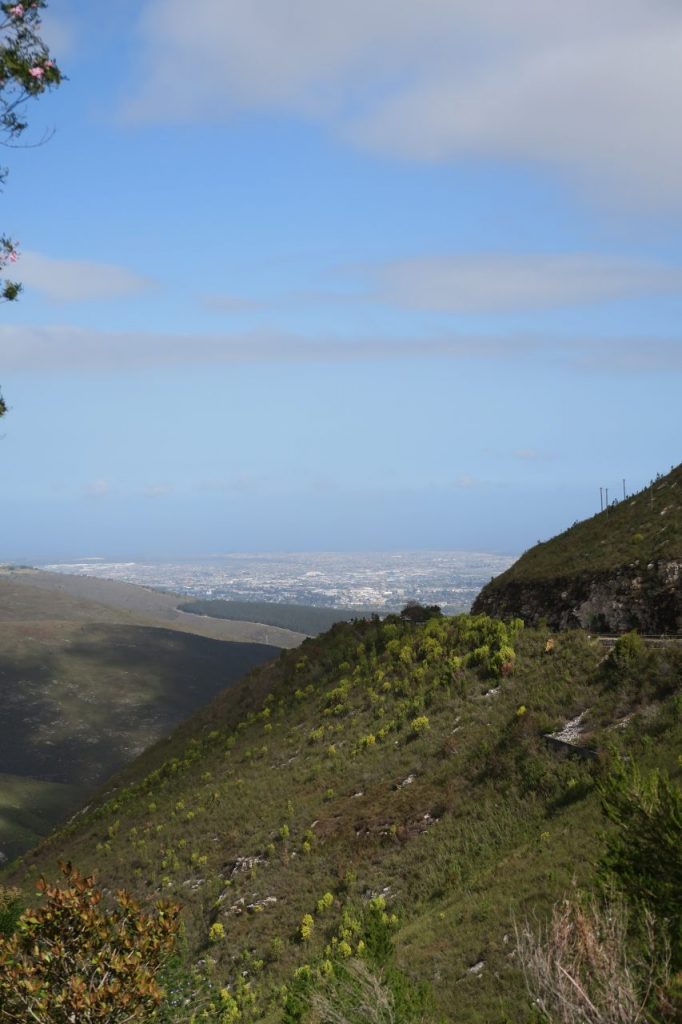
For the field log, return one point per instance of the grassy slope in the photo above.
(31, 807)
(646, 527)
(490, 825)
(83, 689)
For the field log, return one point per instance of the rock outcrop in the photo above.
(647, 598)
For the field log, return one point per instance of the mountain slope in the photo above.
(384, 776)
(84, 688)
(619, 570)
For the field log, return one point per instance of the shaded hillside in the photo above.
(297, 617)
(619, 570)
(387, 787)
(83, 690)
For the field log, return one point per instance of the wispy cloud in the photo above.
(489, 282)
(67, 349)
(466, 482)
(97, 490)
(157, 490)
(233, 304)
(594, 90)
(77, 280)
(59, 34)
(528, 454)
(73, 348)
(629, 356)
(474, 283)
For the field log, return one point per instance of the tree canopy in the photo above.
(26, 71)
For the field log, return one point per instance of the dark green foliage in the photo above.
(297, 617)
(415, 612)
(628, 651)
(10, 909)
(644, 853)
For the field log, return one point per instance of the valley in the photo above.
(86, 686)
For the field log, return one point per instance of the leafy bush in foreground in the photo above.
(72, 960)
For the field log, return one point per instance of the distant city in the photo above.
(379, 581)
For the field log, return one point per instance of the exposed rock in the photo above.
(243, 864)
(648, 600)
(573, 730)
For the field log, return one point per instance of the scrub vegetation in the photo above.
(360, 830)
(645, 527)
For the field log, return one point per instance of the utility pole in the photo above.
(607, 499)
(601, 499)
(624, 494)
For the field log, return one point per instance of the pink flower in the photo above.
(13, 256)
(17, 11)
(36, 72)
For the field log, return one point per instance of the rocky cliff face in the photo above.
(643, 597)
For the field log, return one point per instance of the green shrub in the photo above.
(419, 725)
(216, 933)
(628, 650)
(306, 928)
(643, 854)
(10, 909)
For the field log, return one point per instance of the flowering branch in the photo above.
(26, 71)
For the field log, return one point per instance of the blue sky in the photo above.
(365, 276)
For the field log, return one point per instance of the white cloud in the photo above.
(595, 89)
(77, 280)
(493, 283)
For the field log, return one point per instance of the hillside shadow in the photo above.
(80, 713)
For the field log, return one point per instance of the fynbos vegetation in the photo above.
(356, 828)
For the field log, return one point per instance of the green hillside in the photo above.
(645, 527)
(386, 791)
(619, 570)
